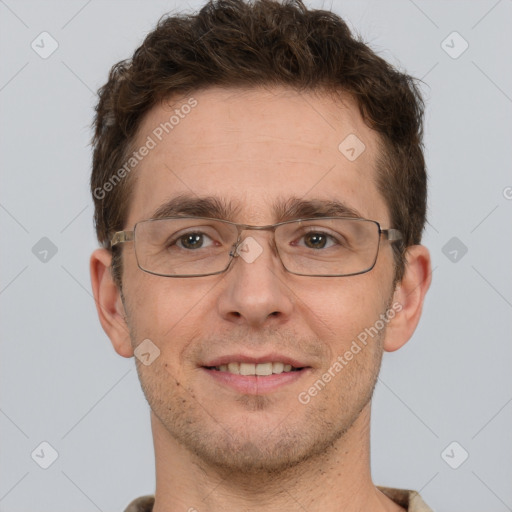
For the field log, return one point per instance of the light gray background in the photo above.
(62, 382)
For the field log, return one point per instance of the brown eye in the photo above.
(192, 240)
(315, 240)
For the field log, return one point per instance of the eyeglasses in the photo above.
(200, 246)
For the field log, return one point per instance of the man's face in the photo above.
(253, 148)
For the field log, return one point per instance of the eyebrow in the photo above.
(283, 209)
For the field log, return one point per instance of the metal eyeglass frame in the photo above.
(390, 234)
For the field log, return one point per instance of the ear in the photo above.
(408, 298)
(108, 301)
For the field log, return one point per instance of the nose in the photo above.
(254, 292)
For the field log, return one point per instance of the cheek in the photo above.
(341, 307)
(166, 311)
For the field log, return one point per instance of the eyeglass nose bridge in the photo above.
(235, 248)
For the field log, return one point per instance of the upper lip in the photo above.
(243, 358)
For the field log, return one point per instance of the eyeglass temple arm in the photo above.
(120, 237)
(393, 235)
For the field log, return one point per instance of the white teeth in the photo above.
(277, 367)
(261, 369)
(264, 369)
(247, 369)
(234, 368)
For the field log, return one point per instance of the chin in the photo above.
(256, 458)
(254, 445)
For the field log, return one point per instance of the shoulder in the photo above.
(142, 504)
(407, 498)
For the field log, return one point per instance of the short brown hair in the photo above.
(233, 43)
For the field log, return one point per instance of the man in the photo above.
(260, 195)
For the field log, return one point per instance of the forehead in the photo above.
(254, 149)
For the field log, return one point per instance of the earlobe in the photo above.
(108, 303)
(408, 297)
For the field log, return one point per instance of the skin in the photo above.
(215, 448)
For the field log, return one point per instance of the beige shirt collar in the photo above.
(410, 500)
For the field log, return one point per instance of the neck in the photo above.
(337, 480)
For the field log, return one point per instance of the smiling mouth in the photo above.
(255, 369)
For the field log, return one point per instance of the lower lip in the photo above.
(256, 384)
